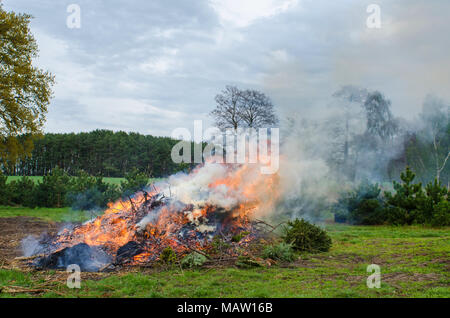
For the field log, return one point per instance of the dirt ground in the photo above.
(14, 230)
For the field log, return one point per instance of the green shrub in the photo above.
(441, 214)
(436, 192)
(363, 205)
(83, 182)
(409, 204)
(4, 190)
(88, 192)
(282, 252)
(368, 212)
(436, 210)
(306, 237)
(23, 192)
(168, 256)
(238, 237)
(110, 193)
(193, 260)
(412, 204)
(134, 181)
(51, 192)
(406, 206)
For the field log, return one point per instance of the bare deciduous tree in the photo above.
(226, 114)
(243, 108)
(257, 110)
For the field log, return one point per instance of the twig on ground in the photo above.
(27, 258)
(104, 267)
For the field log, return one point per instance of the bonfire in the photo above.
(185, 213)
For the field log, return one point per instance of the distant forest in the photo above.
(99, 153)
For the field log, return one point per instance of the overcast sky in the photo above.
(153, 65)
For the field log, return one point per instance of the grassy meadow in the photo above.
(46, 214)
(414, 262)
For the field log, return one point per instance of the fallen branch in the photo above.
(27, 258)
(19, 290)
(104, 267)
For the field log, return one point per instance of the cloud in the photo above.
(153, 66)
(73, 77)
(405, 59)
(242, 13)
(162, 64)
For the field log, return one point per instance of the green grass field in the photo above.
(414, 262)
(47, 214)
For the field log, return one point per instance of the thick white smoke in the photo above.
(195, 188)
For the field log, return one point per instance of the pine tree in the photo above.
(405, 206)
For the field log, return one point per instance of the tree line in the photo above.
(99, 153)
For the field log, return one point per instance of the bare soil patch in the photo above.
(14, 230)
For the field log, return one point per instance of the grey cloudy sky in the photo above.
(152, 66)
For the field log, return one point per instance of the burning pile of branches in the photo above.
(185, 214)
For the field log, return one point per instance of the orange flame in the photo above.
(255, 192)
